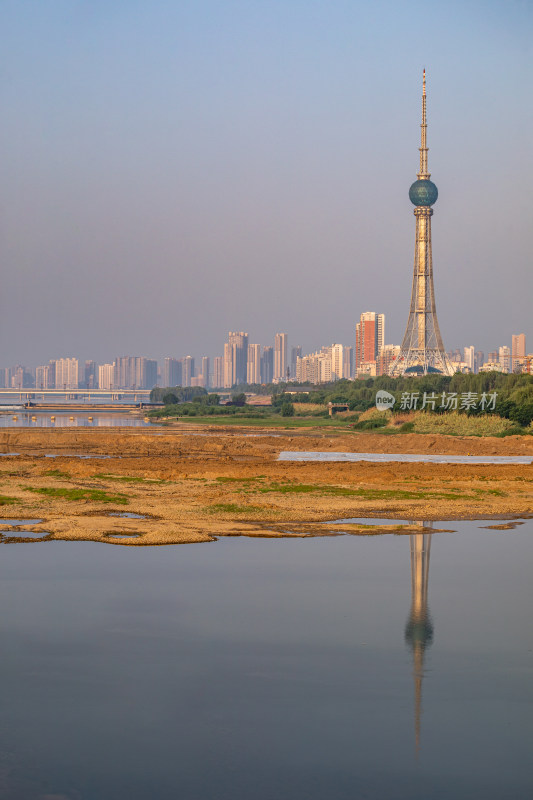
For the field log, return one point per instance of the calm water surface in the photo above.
(70, 419)
(344, 668)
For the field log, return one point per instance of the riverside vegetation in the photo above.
(294, 406)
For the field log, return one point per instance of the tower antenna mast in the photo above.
(423, 174)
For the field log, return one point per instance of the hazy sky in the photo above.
(174, 169)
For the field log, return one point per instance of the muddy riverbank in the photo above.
(195, 484)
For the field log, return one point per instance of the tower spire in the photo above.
(423, 174)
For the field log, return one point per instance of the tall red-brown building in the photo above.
(369, 340)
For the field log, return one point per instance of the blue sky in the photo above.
(170, 171)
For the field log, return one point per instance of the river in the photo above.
(374, 667)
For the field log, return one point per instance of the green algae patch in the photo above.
(103, 476)
(232, 508)
(238, 480)
(96, 495)
(57, 473)
(362, 493)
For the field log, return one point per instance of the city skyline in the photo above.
(247, 196)
(248, 363)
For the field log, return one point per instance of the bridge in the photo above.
(86, 396)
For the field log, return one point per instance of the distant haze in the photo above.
(174, 170)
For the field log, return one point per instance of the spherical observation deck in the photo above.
(423, 193)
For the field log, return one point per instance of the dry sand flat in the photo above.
(194, 484)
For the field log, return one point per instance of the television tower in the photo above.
(419, 628)
(422, 350)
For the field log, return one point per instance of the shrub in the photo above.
(287, 409)
(371, 424)
(522, 414)
(407, 427)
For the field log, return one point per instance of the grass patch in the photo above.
(7, 501)
(365, 494)
(96, 495)
(266, 422)
(232, 508)
(514, 431)
(407, 427)
(127, 478)
(457, 424)
(57, 473)
(236, 480)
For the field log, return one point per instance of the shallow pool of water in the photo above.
(310, 455)
(24, 534)
(395, 667)
(127, 514)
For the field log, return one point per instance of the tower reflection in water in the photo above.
(419, 628)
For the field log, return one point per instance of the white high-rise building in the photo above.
(43, 377)
(337, 362)
(314, 368)
(106, 376)
(67, 373)
(280, 357)
(504, 357)
(253, 367)
(218, 372)
(470, 357)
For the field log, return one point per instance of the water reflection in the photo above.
(419, 627)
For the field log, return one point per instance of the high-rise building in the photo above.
(315, 368)
(122, 378)
(218, 372)
(470, 357)
(267, 365)
(369, 339)
(518, 351)
(42, 377)
(228, 366)
(134, 372)
(205, 372)
(387, 356)
(172, 372)
(337, 362)
(422, 349)
(90, 375)
(347, 369)
(187, 370)
(280, 357)
(504, 358)
(67, 373)
(296, 352)
(106, 376)
(479, 359)
(235, 358)
(253, 370)
(147, 373)
(308, 369)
